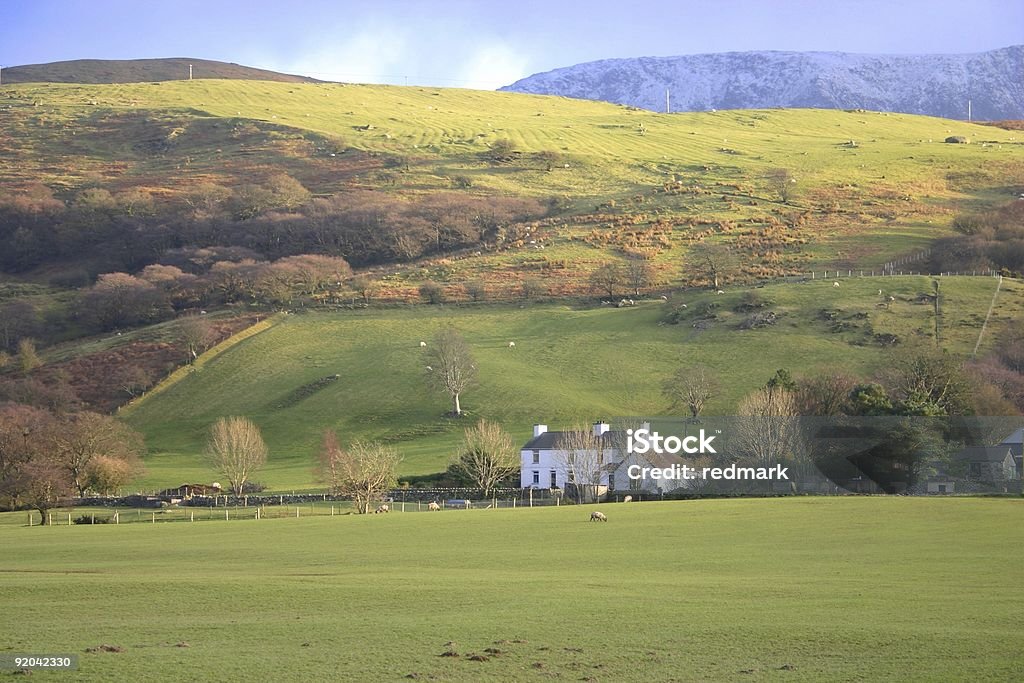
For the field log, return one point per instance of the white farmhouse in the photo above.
(546, 461)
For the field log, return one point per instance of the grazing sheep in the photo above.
(835, 284)
(596, 516)
(382, 508)
(664, 298)
(433, 507)
(627, 499)
(511, 345)
(720, 292)
(423, 344)
(879, 292)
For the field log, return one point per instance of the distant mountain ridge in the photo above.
(935, 85)
(140, 71)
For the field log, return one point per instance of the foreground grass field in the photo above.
(788, 589)
(570, 365)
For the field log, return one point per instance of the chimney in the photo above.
(539, 429)
(646, 426)
(600, 428)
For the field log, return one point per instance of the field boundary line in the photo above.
(204, 358)
(988, 315)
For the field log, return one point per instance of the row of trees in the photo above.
(45, 456)
(275, 218)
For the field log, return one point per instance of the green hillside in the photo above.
(865, 186)
(139, 71)
(569, 365)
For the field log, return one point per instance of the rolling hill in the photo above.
(936, 85)
(570, 365)
(140, 71)
(869, 186)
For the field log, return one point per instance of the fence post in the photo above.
(69, 519)
(296, 512)
(49, 519)
(154, 518)
(531, 497)
(30, 519)
(191, 515)
(226, 514)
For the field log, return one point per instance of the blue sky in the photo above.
(485, 44)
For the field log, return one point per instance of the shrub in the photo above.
(432, 292)
(91, 519)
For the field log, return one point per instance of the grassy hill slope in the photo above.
(569, 366)
(140, 71)
(868, 186)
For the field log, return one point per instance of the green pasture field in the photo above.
(571, 365)
(798, 589)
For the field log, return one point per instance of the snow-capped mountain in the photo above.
(938, 85)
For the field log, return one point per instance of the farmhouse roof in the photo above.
(984, 454)
(556, 440)
(1015, 439)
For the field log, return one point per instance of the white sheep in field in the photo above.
(720, 292)
(382, 508)
(892, 298)
(627, 499)
(597, 516)
(433, 507)
(879, 292)
(835, 284)
(423, 344)
(511, 345)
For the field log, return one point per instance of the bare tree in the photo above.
(236, 449)
(106, 474)
(451, 366)
(639, 275)
(767, 428)
(782, 182)
(607, 279)
(823, 394)
(475, 289)
(714, 261)
(132, 379)
(690, 388)
(582, 454)
(364, 286)
(197, 335)
(78, 439)
(363, 471)
(487, 456)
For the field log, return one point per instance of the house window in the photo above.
(975, 469)
(554, 479)
(536, 457)
(942, 488)
(571, 476)
(600, 456)
(536, 478)
(634, 484)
